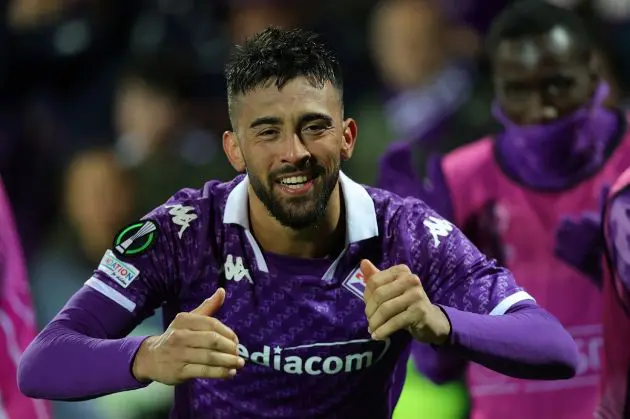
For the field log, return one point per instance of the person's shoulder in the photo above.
(174, 242)
(410, 230)
(193, 209)
(394, 210)
(211, 195)
(469, 159)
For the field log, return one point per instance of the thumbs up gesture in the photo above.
(395, 300)
(195, 345)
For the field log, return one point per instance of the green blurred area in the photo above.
(422, 399)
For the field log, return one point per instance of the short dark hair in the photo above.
(536, 17)
(279, 56)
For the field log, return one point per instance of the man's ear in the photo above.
(349, 139)
(233, 152)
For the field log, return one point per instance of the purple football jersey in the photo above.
(301, 323)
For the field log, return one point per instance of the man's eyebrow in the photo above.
(265, 120)
(316, 116)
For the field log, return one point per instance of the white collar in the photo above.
(361, 223)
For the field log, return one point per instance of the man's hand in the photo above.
(195, 345)
(395, 300)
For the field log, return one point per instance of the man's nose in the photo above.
(540, 111)
(295, 151)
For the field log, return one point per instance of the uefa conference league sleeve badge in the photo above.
(136, 238)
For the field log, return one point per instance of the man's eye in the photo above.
(314, 129)
(268, 133)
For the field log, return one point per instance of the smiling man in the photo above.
(291, 291)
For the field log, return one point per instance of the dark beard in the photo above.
(297, 220)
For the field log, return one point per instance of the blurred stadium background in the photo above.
(109, 106)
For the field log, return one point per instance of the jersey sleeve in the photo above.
(145, 264)
(453, 271)
(618, 238)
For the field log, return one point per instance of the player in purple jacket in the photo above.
(291, 291)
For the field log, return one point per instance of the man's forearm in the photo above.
(526, 342)
(69, 361)
(438, 366)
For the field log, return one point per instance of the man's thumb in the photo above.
(368, 268)
(211, 305)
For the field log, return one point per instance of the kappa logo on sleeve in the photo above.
(355, 283)
(438, 227)
(182, 216)
(122, 273)
(136, 238)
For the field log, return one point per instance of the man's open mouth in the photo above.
(297, 181)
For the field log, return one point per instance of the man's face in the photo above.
(144, 115)
(409, 42)
(542, 78)
(291, 142)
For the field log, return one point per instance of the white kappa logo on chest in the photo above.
(235, 270)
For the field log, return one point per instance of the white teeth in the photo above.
(294, 180)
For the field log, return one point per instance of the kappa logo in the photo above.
(182, 217)
(355, 283)
(235, 270)
(438, 227)
(328, 358)
(121, 272)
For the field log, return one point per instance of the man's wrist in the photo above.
(141, 367)
(437, 329)
(443, 327)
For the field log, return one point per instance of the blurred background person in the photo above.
(164, 127)
(17, 322)
(248, 17)
(615, 382)
(98, 197)
(60, 60)
(518, 196)
(436, 95)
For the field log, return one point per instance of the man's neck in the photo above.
(321, 240)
